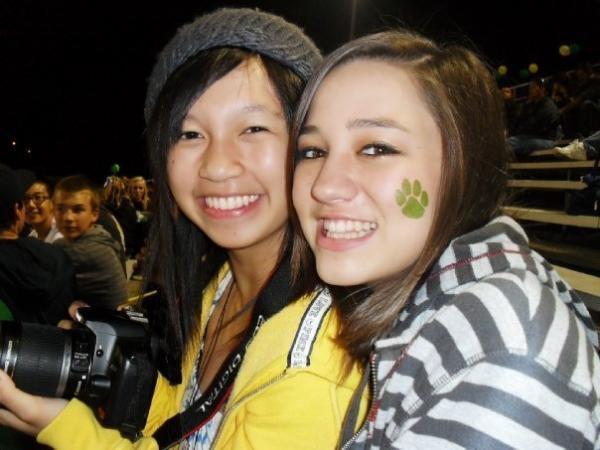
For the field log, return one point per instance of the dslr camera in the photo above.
(106, 360)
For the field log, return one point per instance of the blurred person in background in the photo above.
(39, 212)
(116, 198)
(138, 191)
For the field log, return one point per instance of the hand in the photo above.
(24, 412)
(75, 306)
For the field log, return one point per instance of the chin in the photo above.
(338, 276)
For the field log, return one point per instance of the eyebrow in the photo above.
(65, 205)
(377, 122)
(257, 107)
(246, 109)
(361, 123)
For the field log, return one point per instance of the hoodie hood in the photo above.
(499, 246)
(99, 235)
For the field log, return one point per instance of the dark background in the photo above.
(73, 75)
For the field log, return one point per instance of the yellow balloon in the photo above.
(564, 50)
(533, 68)
(502, 70)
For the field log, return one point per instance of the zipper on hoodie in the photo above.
(373, 369)
(242, 399)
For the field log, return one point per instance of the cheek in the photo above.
(302, 185)
(268, 161)
(179, 172)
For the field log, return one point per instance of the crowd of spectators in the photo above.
(560, 113)
(67, 242)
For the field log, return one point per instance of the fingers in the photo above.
(8, 419)
(75, 306)
(25, 412)
(66, 324)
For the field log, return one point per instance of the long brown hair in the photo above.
(144, 203)
(114, 192)
(463, 98)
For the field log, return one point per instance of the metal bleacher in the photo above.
(578, 264)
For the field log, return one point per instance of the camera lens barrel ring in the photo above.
(10, 336)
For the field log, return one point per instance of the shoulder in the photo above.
(300, 338)
(95, 247)
(39, 249)
(510, 313)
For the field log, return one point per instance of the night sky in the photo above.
(73, 75)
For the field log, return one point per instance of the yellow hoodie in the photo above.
(272, 405)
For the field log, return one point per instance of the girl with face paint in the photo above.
(399, 173)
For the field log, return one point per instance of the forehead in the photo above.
(370, 88)
(247, 88)
(74, 198)
(37, 188)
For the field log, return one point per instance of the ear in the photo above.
(19, 210)
(95, 215)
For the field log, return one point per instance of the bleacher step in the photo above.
(573, 255)
(547, 184)
(553, 216)
(551, 165)
(588, 286)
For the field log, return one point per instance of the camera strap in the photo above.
(273, 298)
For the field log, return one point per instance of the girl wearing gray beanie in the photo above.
(245, 362)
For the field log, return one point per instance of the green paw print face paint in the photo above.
(412, 198)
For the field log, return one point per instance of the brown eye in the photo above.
(188, 135)
(255, 129)
(377, 149)
(310, 153)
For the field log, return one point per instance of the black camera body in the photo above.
(106, 360)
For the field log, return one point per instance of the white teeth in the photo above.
(231, 202)
(347, 229)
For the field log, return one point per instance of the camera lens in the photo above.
(44, 360)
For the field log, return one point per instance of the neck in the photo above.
(42, 229)
(252, 267)
(11, 233)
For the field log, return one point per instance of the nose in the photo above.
(29, 204)
(67, 216)
(334, 182)
(220, 161)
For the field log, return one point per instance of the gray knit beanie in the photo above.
(250, 29)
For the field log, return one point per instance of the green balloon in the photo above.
(115, 169)
(524, 73)
(575, 48)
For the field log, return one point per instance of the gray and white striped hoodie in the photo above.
(494, 351)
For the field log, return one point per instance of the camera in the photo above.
(106, 360)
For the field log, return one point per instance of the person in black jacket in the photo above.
(537, 123)
(36, 278)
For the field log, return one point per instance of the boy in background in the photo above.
(99, 274)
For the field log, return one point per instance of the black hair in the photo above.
(7, 215)
(181, 258)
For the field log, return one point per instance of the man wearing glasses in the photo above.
(39, 213)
